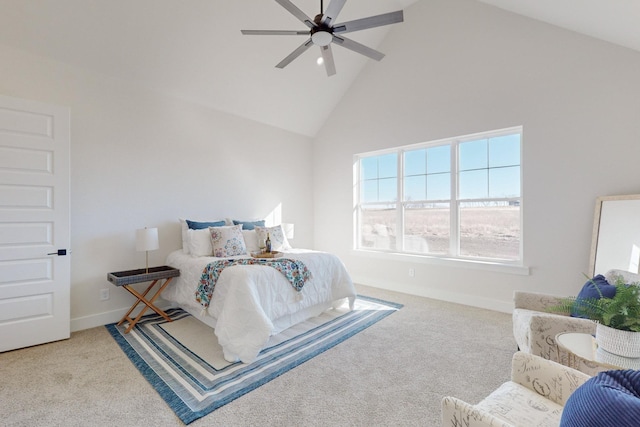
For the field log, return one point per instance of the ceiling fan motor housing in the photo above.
(321, 34)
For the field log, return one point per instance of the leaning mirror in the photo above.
(616, 234)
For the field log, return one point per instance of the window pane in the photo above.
(439, 186)
(377, 229)
(369, 167)
(426, 229)
(415, 188)
(370, 191)
(415, 162)
(388, 190)
(473, 184)
(388, 166)
(473, 155)
(504, 151)
(490, 231)
(439, 159)
(504, 182)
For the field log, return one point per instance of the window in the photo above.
(454, 198)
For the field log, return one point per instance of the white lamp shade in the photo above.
(147, 239)
(288, 230)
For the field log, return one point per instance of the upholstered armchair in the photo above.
(535, 328)
(535, 396)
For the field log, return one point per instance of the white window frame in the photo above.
(510, 266)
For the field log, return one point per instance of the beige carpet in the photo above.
(393, 373)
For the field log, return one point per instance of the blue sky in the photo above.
(489, 168)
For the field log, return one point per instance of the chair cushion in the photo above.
(521, 406)
(590, 291)
(611, 398)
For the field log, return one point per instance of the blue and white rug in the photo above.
(183, 361)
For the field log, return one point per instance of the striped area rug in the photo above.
(183, 361)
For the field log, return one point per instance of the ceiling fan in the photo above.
(323, 32)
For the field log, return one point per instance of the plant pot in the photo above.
(618, 361)
(620, 343)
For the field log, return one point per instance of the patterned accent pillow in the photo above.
(279, 241)
(227, 241)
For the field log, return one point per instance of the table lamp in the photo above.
(147, 240)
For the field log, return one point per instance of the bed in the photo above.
(250, 303)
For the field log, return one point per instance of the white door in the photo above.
(34, 223)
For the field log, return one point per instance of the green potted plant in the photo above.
(617, 318)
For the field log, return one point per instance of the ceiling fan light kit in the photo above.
(322, 33)
(321, 38)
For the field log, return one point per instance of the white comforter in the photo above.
(251, 302)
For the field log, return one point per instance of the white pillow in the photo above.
(251, 241)
(200, 242)
(276, 235)
(227, 241)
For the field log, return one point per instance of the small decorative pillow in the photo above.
(279, 241)
(227, 241)
(590, 291)
(611, 398)
(249, 225)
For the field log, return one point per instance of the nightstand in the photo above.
(154, 275)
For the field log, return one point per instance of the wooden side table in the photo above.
(154, 275)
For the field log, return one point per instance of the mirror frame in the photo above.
(596, 225)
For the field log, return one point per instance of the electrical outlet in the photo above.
(412, 272)
(104, 294)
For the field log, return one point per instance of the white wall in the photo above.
(139, 158)
(456, 67)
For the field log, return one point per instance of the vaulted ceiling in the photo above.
(194, 49)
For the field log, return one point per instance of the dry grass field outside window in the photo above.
(485, 232)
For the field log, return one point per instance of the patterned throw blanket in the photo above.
(295, 271)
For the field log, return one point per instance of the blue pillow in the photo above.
(195, 225)
(589, 291)
(612, 398)
(249, 225)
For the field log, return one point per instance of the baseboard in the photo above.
(101, 319)
(458, 298)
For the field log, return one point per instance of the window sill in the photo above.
(446, 262)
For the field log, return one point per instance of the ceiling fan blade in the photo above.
(370, 22)
(332, 12)
(274, 33)
(293, 55)
(293, 9)
(327, 58)
(357, 47)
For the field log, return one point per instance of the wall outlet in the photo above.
(412, 272)
(104, 294)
